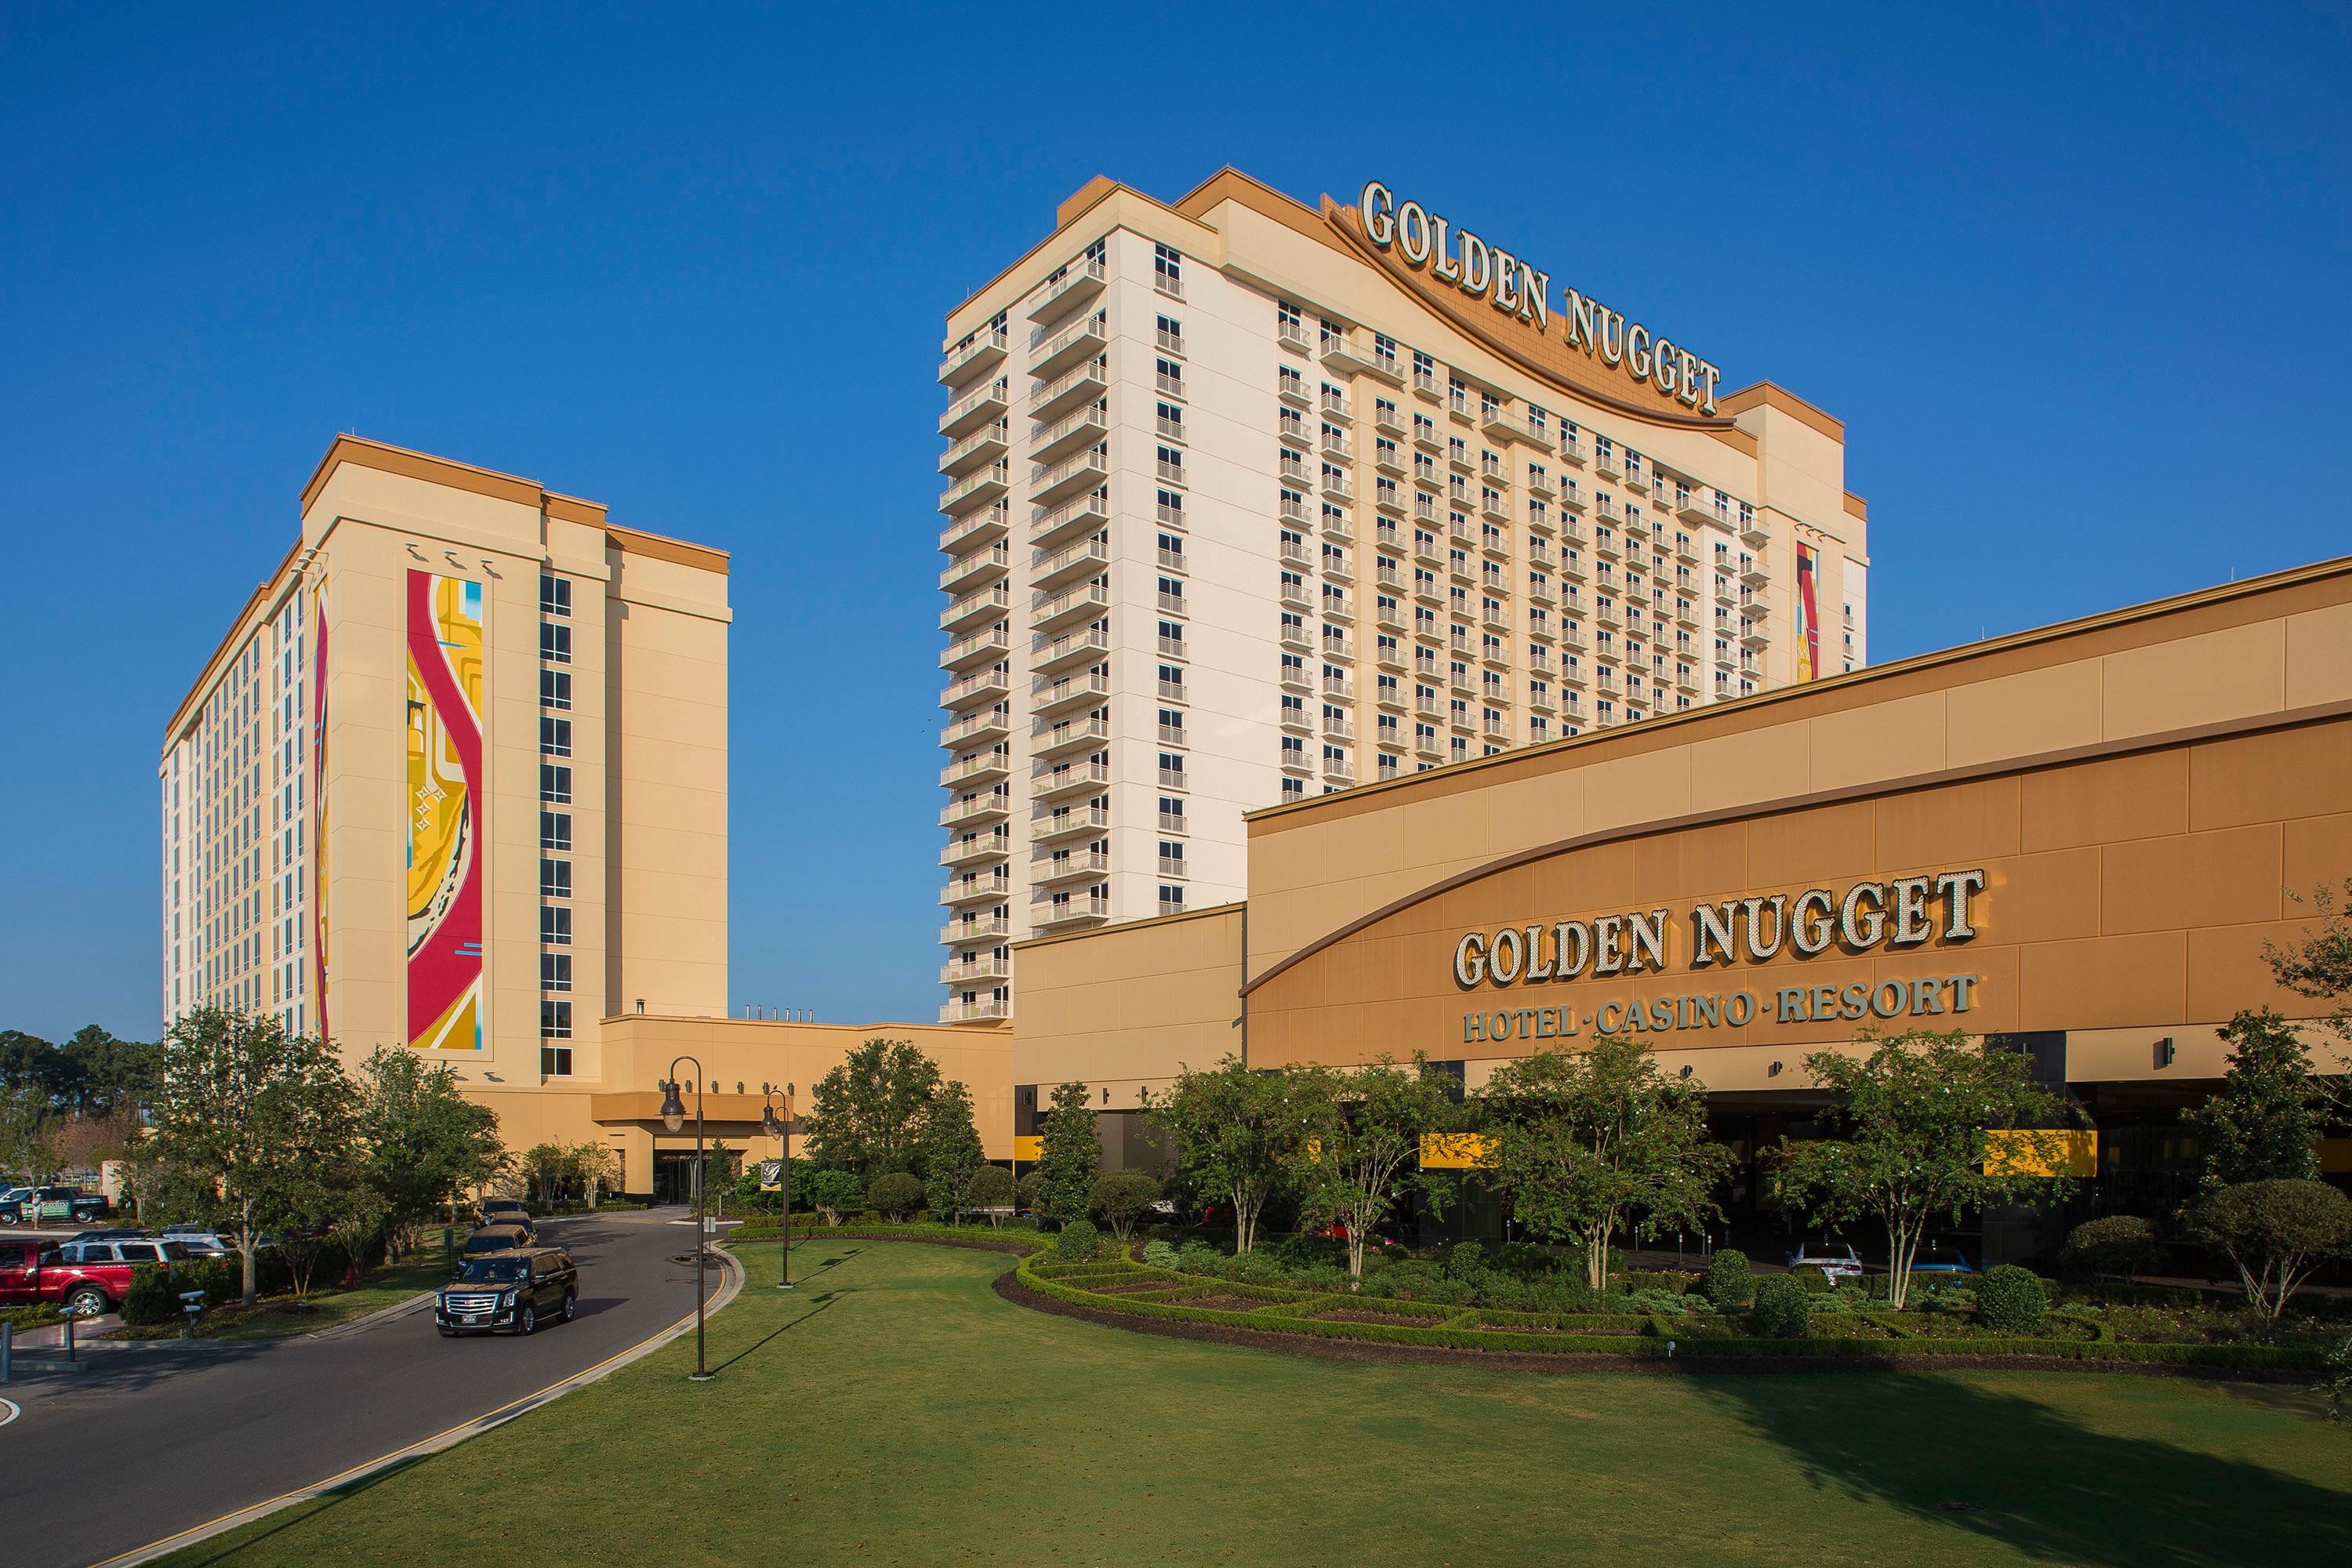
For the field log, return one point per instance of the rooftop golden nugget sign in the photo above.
(1517, 288)
(1898, 913)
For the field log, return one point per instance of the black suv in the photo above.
(74, 1205)
(518, 1291)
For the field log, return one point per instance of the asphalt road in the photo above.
(164, 1435)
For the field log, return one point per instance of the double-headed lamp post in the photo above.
(773, 1128)
(673, 1118)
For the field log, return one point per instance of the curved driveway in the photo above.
(164, 1435)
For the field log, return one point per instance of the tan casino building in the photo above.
(2079, 838)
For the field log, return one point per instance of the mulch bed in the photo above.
(1560, 1333)
(1211, 1303)
(1008, 1287)
(1394, 1320)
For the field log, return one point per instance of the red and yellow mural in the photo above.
(445, 812)
(319, 796)
(1809, 622)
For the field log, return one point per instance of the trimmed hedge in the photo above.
(1693, 1336)
(2011, 1301)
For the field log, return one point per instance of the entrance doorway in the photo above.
(674, 1177)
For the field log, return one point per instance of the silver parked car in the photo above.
(1835, 1258)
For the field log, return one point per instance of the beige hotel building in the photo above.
(1248, 502)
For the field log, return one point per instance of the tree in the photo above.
(592, 1164)
(895, 1194)
(1236, 1133)
(992, 1189)
(1120, 1197)
(424, 1143)
(950, 1152)
(2114, 1244)
(2273, 1233)
(1362, 1132)
(1588, 1143)
(2319, 966)
(110, 1076)
(1915, 1116)
(254, 1109)
(545, 1163)
(1069, 1156)
(2265, 1122)
(867, 1114)
(28, 1130)
(832, 1192)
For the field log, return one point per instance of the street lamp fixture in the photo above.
(773, 1127)
(673, 1112)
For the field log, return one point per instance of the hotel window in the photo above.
(1172, 551)
(554, 784)
(1172, 595)
(1168, 271)
(555, 830)
(555, 927)
(1171, 421)
(1172, 769)
(555, 1020)
(1170, 335)
(1294, 750)
(555, 1062)
(1171, 857)
(555, 643)
(554, 596)
(1171, 638)
(1172, 901)
(555, 972)
(1294, 789)
(1457, 396)
(1171, 814)
(1424, 370)
(1385, 351)
(555, 879)
(1172, 727)
(555, 688)
(1170, 378)
(555, 737)
(1171, 465)
(1172, 509)
(1287, 321)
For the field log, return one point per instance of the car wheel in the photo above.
(85, 1302)
(571, 1298)
(527, 1321)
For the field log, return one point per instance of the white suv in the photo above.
(1835, 1258)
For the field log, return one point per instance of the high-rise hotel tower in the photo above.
(1248, 500)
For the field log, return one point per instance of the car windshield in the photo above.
(494, 1271)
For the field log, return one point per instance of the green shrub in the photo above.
(2118, 1244)
(150, 1298)
(1078, 1242)
(1812, 1279)
(1781, 1309)
(1159, 1254)
(2011, 1302)
(1726, 1282)
(1120, 1196)
(895, 1194)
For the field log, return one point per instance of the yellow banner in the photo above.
(1031, 1149)
(2042, 1153)
(1453, 1151)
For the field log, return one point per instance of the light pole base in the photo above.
(700, 1377)
(784, 1287)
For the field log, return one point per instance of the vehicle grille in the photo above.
(471, 1303)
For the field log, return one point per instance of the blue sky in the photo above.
(2074, 278)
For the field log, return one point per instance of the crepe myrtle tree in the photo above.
(1588, 1143)
(1360, 1139)
(1235, 1134)
(1069, 1156)
(1914, 1119)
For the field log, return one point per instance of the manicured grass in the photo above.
(380, 1288)
(893, 1410)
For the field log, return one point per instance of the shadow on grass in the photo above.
(819, 1303)
(1972, 1458)
(232, 1543)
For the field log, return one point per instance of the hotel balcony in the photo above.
(1340, 686)
(1089, 380)
(1047, 696)
(979, 889)
(1082, 427)
(984, 966)
(1336, 407)
(1336, 445)
(1752, 530)
(1062, 823)
(986, 643)
(983, 767)
(1082, 282)
(1539, 591)
(1067, 735)
(1605, 464)
(1493, 505)
(1755, 638)
(982, 405)
(985, 725)
(1340, 770)
(1752, 573)
(983, 527)
(983, 351)
(1049, 780)
(976, 489)
(992, 600)
(1049, 484)
(978, 1010)
(1571, 450)
(1290, 466)
(979, 566)
(1689, 505)
(1046, 870)
(1048, 524)
(981, 930)
(976, 851)
(1083, 339)
(1339, 727)
(1048, 568)
(1293, 334)
(1294, 637)
(1387, 418)
(979, 808)
(1499, 423)
(984, 445)
(1047, 915)
(1391, 656)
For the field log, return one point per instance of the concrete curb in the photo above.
(730, 1287)
(381, 1315)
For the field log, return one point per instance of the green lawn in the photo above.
(894, 1411)
(272, 1318)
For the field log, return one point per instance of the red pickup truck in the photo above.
(83, 1277)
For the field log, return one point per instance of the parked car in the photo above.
(38, 1205)
(87, 1278)
(507, 1211)
(1835, 1258)
(19, 1275)
(1942, 1262)
(12, 1201)
(512, 1290)
(495, 1238)
(114, 1233)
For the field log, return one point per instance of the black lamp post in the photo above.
(673, 1118)
(773, 1128)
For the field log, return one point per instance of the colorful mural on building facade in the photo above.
(1809, 623)
(319, 808)
(446, 674)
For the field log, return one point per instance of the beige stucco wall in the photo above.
(1129, 1007)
